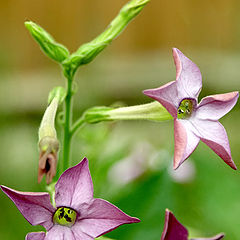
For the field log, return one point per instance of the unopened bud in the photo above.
(49, 46)
(48, 143)
(151, 111)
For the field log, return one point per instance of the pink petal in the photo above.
(217, 237)
(79, 234)
(173, 229)
(102, 217)
(167, 95)
(185, 141)
(35, 207)
(35, 236)
(188, 75)
(215, 106)
(214, 135)
(74, 186)
(58, 232)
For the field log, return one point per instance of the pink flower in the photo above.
(174, 230)
(77, 216)
(192, 121)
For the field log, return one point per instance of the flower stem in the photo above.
(67, 126)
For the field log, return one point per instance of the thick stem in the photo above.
(67, 127)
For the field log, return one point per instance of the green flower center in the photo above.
(185, 109)
(65, 216)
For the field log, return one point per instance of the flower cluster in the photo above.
(72, 213)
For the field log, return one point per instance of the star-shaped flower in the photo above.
(174, 230)
(192, 121)
(77, 215)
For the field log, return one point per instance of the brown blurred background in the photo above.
(163, 24)
(206, 31)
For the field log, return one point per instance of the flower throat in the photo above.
(185, 109)
(65, 216)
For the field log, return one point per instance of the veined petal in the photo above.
(74, 187)
(216, 106)
(102, 217)
(185, 141)
(188, 76)
(35, 236)
(173, 229)
(167, 95)
(35, 207)
(58, 232)
(217, 237)
(214, 135)
(79, 235)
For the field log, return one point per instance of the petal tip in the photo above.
(135, 220)
(176, 50)
(176, 165)
(5, 189)
(177, 162)
(83, 162)
(232, 165)
(147, 92)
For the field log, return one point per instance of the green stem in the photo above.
(67, 126)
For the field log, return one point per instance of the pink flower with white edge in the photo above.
(192, 121)
(77, 215)
(174, 230)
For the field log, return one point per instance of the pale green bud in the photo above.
(88, 51)
(49, 46)
(48, 143)
(47, 126)
(151, 111)
(59, 93)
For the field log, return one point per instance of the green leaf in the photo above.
(49, 46)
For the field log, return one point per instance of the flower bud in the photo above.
(48, 143)
(88, 51)
(49, 46)
(151, 111)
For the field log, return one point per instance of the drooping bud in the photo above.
(48, 142)
(48, 147)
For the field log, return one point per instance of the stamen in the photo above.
(65, 216)
(185, 109)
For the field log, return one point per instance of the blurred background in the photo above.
(130, 162)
